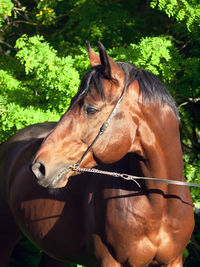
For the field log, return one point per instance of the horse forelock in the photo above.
(92, 80)
(150, 87)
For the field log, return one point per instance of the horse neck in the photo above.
(161, 148)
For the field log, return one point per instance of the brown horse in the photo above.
(93, 219)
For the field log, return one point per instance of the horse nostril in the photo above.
(38, 169)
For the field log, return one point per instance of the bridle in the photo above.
(105, 124)
(129, 177)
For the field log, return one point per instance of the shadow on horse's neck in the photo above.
(129, 164)
(133, 164)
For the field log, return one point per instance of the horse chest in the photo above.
(132, 234)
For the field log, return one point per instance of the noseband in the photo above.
(105, 124)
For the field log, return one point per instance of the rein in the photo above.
(128, 177)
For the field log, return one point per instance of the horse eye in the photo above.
(90, 110)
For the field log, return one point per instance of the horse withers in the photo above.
(122, 119)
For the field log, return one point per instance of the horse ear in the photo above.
(94, 58)
(105, 62)
(111, 69)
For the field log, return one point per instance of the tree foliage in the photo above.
(43, 57)
(53, 78)
(187, 11)
(5, 9)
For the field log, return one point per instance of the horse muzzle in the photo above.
(55, 179)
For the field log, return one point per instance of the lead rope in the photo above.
(132, 177)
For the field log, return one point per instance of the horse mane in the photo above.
(151, 88)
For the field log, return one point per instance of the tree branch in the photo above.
(26, 22)
(8, 45)
(190, 100)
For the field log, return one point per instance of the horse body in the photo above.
(100, 220)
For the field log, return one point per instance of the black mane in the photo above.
(151, 88)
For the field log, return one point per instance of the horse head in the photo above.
(108, 84)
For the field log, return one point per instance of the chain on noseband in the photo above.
(104, 126)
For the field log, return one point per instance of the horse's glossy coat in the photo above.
(98, 220)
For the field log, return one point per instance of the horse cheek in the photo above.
(113, 147)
